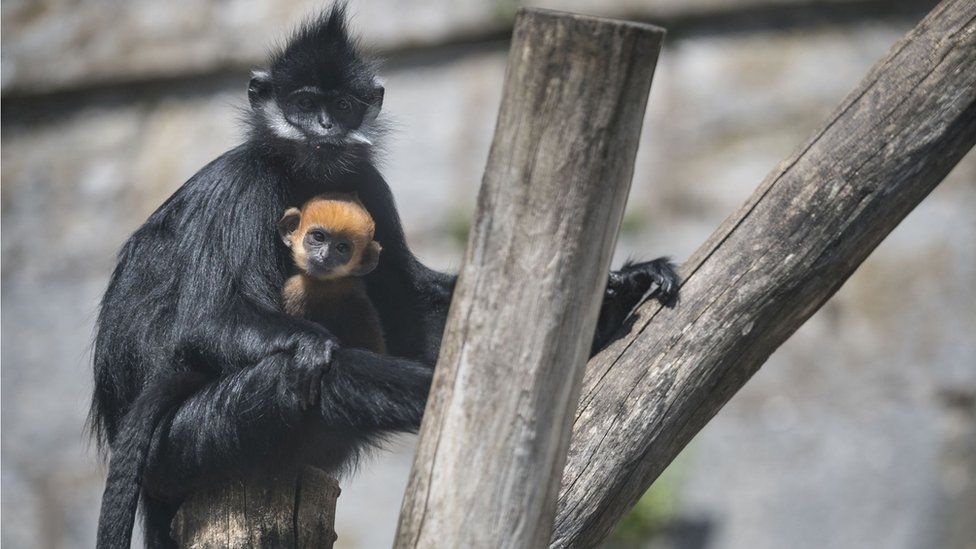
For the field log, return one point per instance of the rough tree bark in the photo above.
(495, 432)
(289, 510)
(768, 268)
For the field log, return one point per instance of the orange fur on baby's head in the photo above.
(339, 214)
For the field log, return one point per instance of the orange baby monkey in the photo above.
(331, 240)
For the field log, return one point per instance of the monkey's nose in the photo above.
(325, 121)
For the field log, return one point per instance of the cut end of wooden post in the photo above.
(527, 12)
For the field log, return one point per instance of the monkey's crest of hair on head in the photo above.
(321, 49)
(340, 212)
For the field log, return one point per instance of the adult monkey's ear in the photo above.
(259, 89)
(378, 92)
(374, 106)
(288, 224)
(369, 260)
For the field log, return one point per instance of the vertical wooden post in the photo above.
(494, 437)
(295, 509)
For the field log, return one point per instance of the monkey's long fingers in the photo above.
(660, 272)
(664, 275)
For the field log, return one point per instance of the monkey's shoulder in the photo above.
(236, 193)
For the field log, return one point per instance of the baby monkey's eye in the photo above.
(318, 236)
(342, 248)
(343, 104)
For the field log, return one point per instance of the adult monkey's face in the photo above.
(319, 90)
(332, 116)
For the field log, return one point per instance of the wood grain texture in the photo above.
(290, 510)
(496, 427)
(769, 267)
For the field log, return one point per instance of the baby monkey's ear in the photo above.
(369, 260)
(288, 224)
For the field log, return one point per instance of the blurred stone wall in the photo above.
(860, 430)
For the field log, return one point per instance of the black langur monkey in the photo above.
(199, 374)
(331, 241)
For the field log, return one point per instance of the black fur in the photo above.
(129, 456)
(626, 288)
(200, 376)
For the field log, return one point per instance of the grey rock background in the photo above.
(859, 432)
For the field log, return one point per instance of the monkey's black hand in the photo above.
(311, 357)
(626, 287)
(633, 280)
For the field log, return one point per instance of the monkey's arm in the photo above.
(251, 418)
(223, 429)
(411, 299)
(279, 377)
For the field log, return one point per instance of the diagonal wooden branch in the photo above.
(769, 267)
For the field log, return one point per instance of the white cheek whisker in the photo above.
(276, 121)
(359, 137)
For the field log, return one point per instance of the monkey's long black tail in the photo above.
(130, 452)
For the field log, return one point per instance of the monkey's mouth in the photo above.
(326, 145)
(317, 270)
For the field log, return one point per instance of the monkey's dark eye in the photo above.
(343, 104)
(342, 248)
(318, 236)
(305, 102)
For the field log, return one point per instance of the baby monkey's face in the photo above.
(327, 255)
(331, 237)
